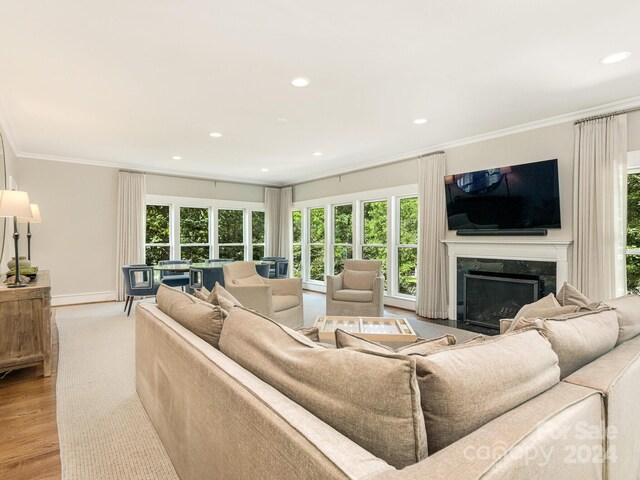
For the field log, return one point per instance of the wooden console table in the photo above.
(25, 325)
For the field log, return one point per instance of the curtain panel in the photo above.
(132, 192)
(600, 207)
(432, 295)
(277, 207)
(286, 202)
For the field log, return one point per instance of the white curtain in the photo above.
(284, 236)
(431, 297)
(130, 239)
(599, 207)
(272, 221)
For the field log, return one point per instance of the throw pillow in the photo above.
(577, 338)
(358, 280)
(628, 313)
(312, 333)
(202, 318)
(252, 280)
(371, 398)
(466, 386)
(221, 296)
(529, 310)
(570, 295)
(348, 340)
(202, 293)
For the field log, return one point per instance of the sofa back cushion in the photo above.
(578, 338)
(466, 386)
(202, 318)
(359, 280)
(422, 346)
(371, 398)
(628, 313)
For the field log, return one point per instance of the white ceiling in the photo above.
(135, 82)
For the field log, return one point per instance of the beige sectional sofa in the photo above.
(218, 420)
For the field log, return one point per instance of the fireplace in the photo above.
(488, 297)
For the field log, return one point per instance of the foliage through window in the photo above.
(296, 229)
(194, 234)
(257, 235)
(374, 235)
(231, 234)
(316, 244)
(408, 246)
(158, 235)
(342, 236)
(633, 231)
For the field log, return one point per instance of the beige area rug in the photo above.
(104, 430)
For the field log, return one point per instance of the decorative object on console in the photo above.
(24, 263)
(35, 218)
(15, 204)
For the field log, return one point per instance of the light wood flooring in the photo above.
(29, 448)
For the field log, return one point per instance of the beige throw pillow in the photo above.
(202, 293)
(570, 295)
(628, 313)
(577, 338)
(348, 340)
(202, 318)
(371, 398)
(220, 296)
(358, 280)
(312, 333)
(466, 386)
(528, 310)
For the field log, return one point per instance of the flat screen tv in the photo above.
(516, 197)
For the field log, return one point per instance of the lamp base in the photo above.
(17, 285)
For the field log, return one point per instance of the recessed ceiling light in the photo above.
(317, 154)
(300, 82)
(281, 120)
(264, 169)
(420, 121)
(615, 58)
(176, 157)
(215, 134)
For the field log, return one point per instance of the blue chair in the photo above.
(174, 278)
(138, 282)
(205, 277)
(279, 268)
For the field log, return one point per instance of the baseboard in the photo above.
(78, 298)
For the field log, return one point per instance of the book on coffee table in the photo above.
(378, 329)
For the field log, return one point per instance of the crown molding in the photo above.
(147, 170)
(524, 127)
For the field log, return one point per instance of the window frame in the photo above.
(245, 241)
(179, 219)
(389, 287)
(397, 245)
(264, 233)
(170, 244)
(332, 232)
(307, 246)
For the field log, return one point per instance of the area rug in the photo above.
(103, 428)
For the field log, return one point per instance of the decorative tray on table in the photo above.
(31, 272)
(377, 329)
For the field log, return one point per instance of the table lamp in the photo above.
(15, 204)
(35, 218)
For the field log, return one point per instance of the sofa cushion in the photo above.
(348, 340)
(284, 302)
(570, 295)
(466, 386)
(371, 398)
(252, 280)
(358, 280)
(362, 296)
(202, 318)
(578, 338)
(628, 313)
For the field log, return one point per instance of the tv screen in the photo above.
(516, 197)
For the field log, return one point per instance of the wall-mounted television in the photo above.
(516, 197)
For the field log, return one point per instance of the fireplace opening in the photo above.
(491, 296)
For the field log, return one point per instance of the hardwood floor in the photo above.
(29, 448)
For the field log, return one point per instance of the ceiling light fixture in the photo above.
(264, 169)
(317, 154)
(281, 120)
(420, 121)
(176, 157)
(300, 82)
(615, 58)
(215, 134)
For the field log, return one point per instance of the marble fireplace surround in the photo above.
(505, 248)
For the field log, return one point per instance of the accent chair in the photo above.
(357, 290)
(138, 282)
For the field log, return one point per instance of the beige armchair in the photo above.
(278, 299)
(357, 290)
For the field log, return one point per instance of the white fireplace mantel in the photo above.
(505, 249)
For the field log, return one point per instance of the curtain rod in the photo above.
(605, 115)
(439, 152)
(204, 179)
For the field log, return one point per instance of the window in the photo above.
(194, 234)
(342, 236)
(257, 235)
(316, 244)
(296, 229)
(633, 231)
(231, 234)
(407, 253)
(374, 234)
(158, 243)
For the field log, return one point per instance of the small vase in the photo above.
(23, 261)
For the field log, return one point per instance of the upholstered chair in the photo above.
(278, 299)
(357, 291)
(138, 283)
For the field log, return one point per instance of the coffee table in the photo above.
(389, 330)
